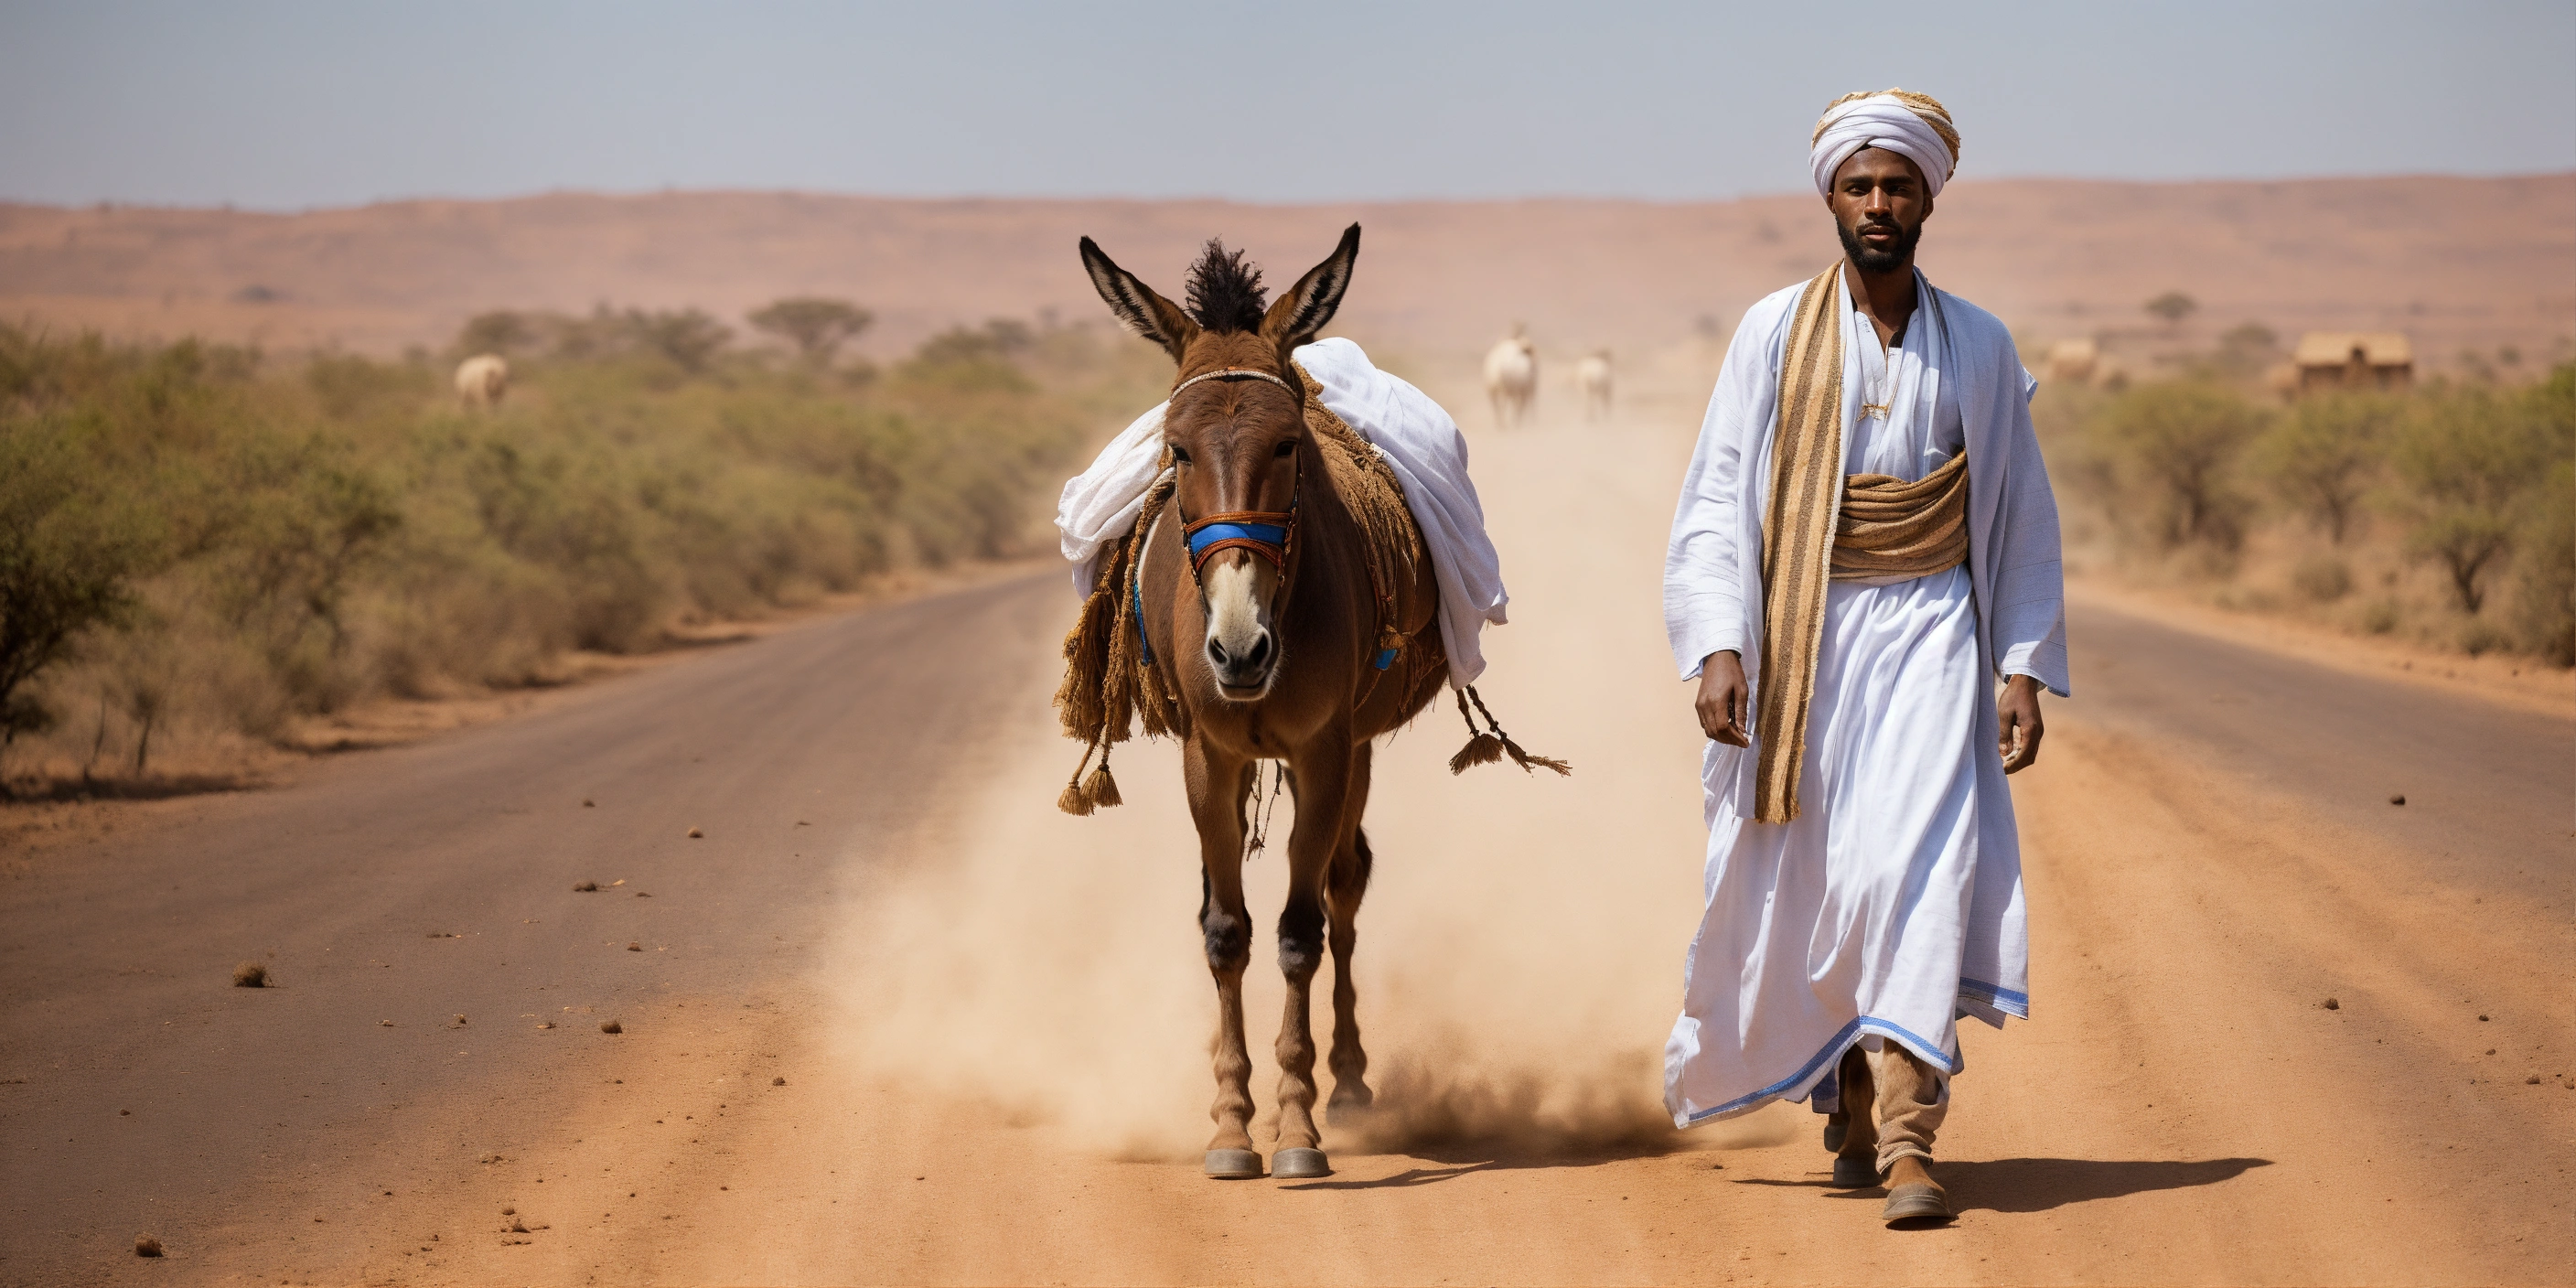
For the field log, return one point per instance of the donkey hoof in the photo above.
(1837, 1130)
(1233, 1164)
(1299, 1165)
(1853, 1171)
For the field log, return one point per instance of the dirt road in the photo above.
(892, 1018)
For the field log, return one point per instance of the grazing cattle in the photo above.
(1592, 376)
(1511, 377)
(481, 380)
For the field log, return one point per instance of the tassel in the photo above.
(1101, 790)
(1526, 760)
(1086, 658)
(1482, 749)
(1074, 799)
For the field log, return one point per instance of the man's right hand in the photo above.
(1722, 698)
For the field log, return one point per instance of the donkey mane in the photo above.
(1225, 293)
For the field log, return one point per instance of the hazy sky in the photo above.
(290, 105)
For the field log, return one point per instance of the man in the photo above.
(1866, 540)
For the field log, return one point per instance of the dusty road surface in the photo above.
(891, 1018)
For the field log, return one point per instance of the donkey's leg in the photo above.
(1215, 783)
(1344, 886)
(1323, 777)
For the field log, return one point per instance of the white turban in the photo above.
(1914, 126)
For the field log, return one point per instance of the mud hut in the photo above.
(2353, 360)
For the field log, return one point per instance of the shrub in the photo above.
(2321, 458)
(2322, 578)
(2545, 597)
(67, 557)
(192, 542)
(2464, 458)
(2171, 453)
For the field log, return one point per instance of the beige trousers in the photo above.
(1909, 1099)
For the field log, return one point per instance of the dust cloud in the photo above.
(1050, 969)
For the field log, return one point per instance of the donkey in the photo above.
(1258, 611)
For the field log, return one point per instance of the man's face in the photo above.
(1879, 206)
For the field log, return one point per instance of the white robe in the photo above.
(1406, 427)
(1892, 905)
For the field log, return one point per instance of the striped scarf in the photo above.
(1823, 526)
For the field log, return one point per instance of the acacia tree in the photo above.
(2173, 307)
(499, 331)
(2321, 457)
(690, 338)
(2465, 460)
(65, 559)
(2175, 445)
(818, 327)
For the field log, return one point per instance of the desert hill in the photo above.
(2455, 262)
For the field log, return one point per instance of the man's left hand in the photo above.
(2017, 716)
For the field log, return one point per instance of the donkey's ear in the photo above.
(1138, 307)
(1308, 305)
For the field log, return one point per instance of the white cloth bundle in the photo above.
(1880, 121)
(1406, 427)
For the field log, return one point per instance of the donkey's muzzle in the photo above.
(1245, 670)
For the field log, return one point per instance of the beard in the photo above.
(1879, 261)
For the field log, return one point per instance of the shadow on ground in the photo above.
(1461, 1159)
(2040, 1184)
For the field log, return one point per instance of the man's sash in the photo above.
(1822, 526)
(1797, 541)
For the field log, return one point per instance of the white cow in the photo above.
(1511, 376)
(1592, 375)
(481, 380)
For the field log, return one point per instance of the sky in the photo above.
(283, 106)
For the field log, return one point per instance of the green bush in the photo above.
(2545, 598)
(2466, 460)
(67, 555)
(2168, 456)
(2478, 478)
(194, 539)
(2322, 458)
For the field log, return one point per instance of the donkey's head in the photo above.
(1236, 428)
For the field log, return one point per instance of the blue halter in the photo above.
(1269, 540)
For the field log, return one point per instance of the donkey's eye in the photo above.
(1287, 447)
(1180, 456)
